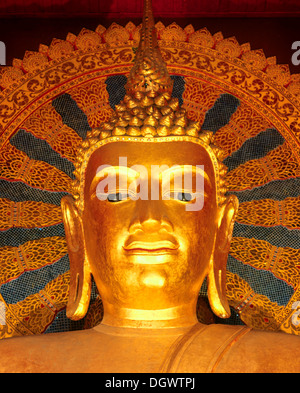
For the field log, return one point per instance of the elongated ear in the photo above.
(80, 279)
(217, 271)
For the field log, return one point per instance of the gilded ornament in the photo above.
(116, 34)
(33, 61)
(279, 164)
(9, 76)
(255, 59)
(87, 39)
(59, 49)
(174, 33)
(229, 46)
(202, 37)
(255, 310)
(280, 73)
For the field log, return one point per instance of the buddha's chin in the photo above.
(151, 279)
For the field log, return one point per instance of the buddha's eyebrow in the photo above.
(184, 169)
(108, 170)
(118, 170)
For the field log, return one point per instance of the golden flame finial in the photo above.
(149, 76)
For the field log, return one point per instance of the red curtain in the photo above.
(165, 8)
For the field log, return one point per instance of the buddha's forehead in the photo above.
(152, 153)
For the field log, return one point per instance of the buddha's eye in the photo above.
(183, 196)
(117, 197)
(179, 196)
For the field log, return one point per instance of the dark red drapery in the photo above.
(172, 8)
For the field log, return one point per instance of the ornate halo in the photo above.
(53, 97)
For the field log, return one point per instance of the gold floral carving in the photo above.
(17, 166)
(88, 40)
(59, 49)
(10, 76)
(244, 123)
(35, 313)
(279, 164)
(203, 38)
(31, 255)
(93, 99)
(255, 59)
(283, 262)
(255, 310)
(28, 214)
(198, 98)
(12, 326)
(280, 73)
(33, 61)
(255, 86)
(173, 33)
(269, 212)
(117, 35)
(290, 316)
(294, 86)
(229, 46)
(47, 124)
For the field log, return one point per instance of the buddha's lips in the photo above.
(149, 247)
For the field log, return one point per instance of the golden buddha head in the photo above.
(148, 246)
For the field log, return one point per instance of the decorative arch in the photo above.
(52, 97)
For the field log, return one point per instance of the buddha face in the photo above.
(149, 253)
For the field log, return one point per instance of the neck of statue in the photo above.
(173, 317)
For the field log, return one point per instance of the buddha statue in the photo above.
(149, 240)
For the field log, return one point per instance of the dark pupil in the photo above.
(184, 196)
(114, 197)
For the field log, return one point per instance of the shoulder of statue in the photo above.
(264, 352)
(195, 350)
(14, 351)
(227, 348)
(37, 353)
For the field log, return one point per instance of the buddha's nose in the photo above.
(150, 218)
(151, 225)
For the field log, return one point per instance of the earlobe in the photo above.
(80, 275)
(71, 222)
(217, 270)
(226, 222)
